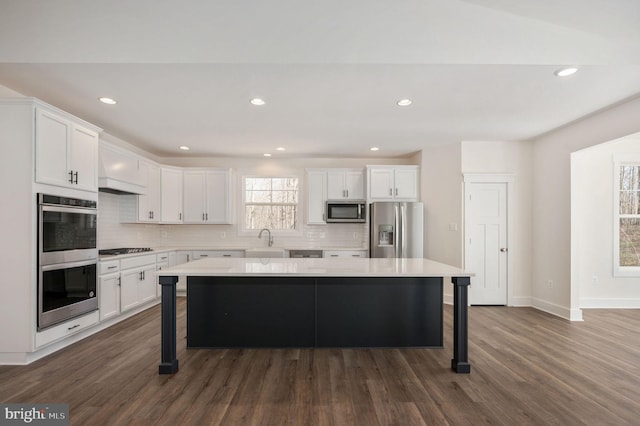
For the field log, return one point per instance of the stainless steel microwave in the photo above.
(340, 211)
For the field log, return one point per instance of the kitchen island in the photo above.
(253, 302)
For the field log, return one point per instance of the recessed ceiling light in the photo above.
(184, 148)
(257, 101)
(107, 101)
(404, 102)
(565, 72)
(280, 148)
(267, 155)
(374, 148)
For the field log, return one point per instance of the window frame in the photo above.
(619, 160)
(242, 230)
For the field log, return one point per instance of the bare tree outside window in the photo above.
(271, 203)
(629, 214)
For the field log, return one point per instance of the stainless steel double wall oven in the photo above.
(67, 258)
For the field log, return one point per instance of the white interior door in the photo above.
(486, 250)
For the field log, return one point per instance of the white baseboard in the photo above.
(522, 301)
(609, 303)
(560, 311)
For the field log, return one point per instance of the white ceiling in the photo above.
(183, 72)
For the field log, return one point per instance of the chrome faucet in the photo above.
(270, 240)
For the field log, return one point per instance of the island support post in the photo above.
(460, 362)
(169, 360)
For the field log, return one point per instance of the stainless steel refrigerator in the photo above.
(395, 229)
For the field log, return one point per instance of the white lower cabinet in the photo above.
(109, 295)
(137, 281)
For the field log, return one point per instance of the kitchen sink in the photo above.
(265, 252)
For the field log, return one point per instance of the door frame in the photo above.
(503, 178)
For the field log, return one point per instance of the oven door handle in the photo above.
(80, 210)
(68, 265)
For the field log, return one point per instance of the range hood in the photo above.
(119, 172)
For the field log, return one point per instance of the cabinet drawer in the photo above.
(66, 329)
(162, 257)
(199, 254)
(109, 267)
(344, 253)
(134, 262)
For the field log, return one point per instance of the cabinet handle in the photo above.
(204, 255)
(202, 216)
(333, 255)
(346, 191)
(73, 326)
(226, 255)
(396, 192)
(119, 281)
(323, 217)
(207, 216)
(187, 258)
(71, 176)
(76, 178)
(111, 267)
(390, 191)
(180, 216)
(355, 255)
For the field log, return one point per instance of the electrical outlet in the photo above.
(550, 283)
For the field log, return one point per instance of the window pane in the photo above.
(630, 178)
(629, 202)
(272, 217)
(630, 242)
(258, 196)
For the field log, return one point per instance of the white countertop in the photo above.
(332, 267)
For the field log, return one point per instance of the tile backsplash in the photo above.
(112, 233)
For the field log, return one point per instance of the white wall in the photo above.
(552, 202)
(512, 158)
(441, 192)
(592, 182)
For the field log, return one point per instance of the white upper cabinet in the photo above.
(316, 196)
(345, 184)
(171, 195)
(149, 203)
(66, 152)
(391, 183)
(207, 197)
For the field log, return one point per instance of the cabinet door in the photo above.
(336, 185)
(406, 184)
(149, 203)
(217, 197)
(194, 197)
(129, 289)
(109, 296)
(84, 158)
(354, 185)
(147, 285)
(52, 149)
(381, 183)
(170, 195)
(316, 197)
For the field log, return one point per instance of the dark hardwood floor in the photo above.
(528, 367)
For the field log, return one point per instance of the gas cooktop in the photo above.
(124, 250)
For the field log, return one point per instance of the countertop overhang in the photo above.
(325, 267)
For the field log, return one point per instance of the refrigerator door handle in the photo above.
(403, 209)
(396, 234)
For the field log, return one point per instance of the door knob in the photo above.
(504, 250)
